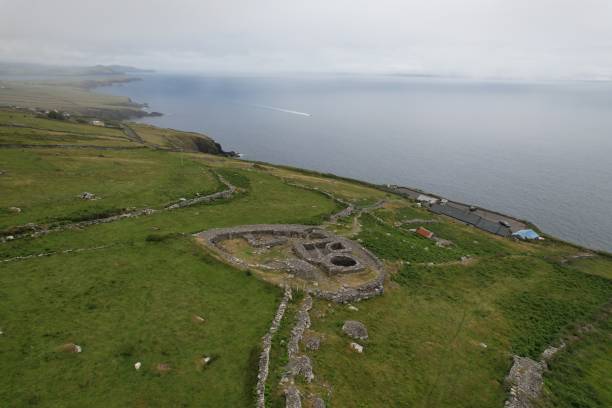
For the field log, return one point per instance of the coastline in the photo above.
(385, 187)
(397, 189)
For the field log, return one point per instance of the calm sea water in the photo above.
(539, 151)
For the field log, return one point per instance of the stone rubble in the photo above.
(551, 351)
(292, 397)
(87, 196)
(264, 357)
(525, 379)
(299, 364)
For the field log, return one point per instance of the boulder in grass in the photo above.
(355, 329)
(312, 342)
(87, 196)
(356, 347)
(15, 210)
(69, 348)
(203, 362)
(197, 319)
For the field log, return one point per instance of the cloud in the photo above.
(480, 38)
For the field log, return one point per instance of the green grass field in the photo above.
(46, 183)
(442, 335)
(68, 95)
(580, 377)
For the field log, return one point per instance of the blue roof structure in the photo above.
(526, 234)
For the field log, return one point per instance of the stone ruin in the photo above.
(311, 253)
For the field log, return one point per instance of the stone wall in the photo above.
(221, 195)
(264, 357)
(299, 364)
(33, 230)
(347, 295)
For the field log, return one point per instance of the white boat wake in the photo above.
(281, 110)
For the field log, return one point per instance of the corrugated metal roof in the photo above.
(472, 219)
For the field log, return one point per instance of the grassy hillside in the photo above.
(175, 139)
(442, 335)
(72, 95)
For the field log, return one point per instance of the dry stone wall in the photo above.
(299, 364)
(264, 357)
(34, 231)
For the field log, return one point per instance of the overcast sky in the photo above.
(476, 38)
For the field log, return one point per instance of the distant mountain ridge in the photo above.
(29, 69)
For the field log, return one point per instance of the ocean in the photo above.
(540, 151)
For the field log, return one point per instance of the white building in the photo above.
(427, 199)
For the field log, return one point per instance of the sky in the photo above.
(529, 39)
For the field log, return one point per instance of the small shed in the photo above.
(526, 234)
(424, 232)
